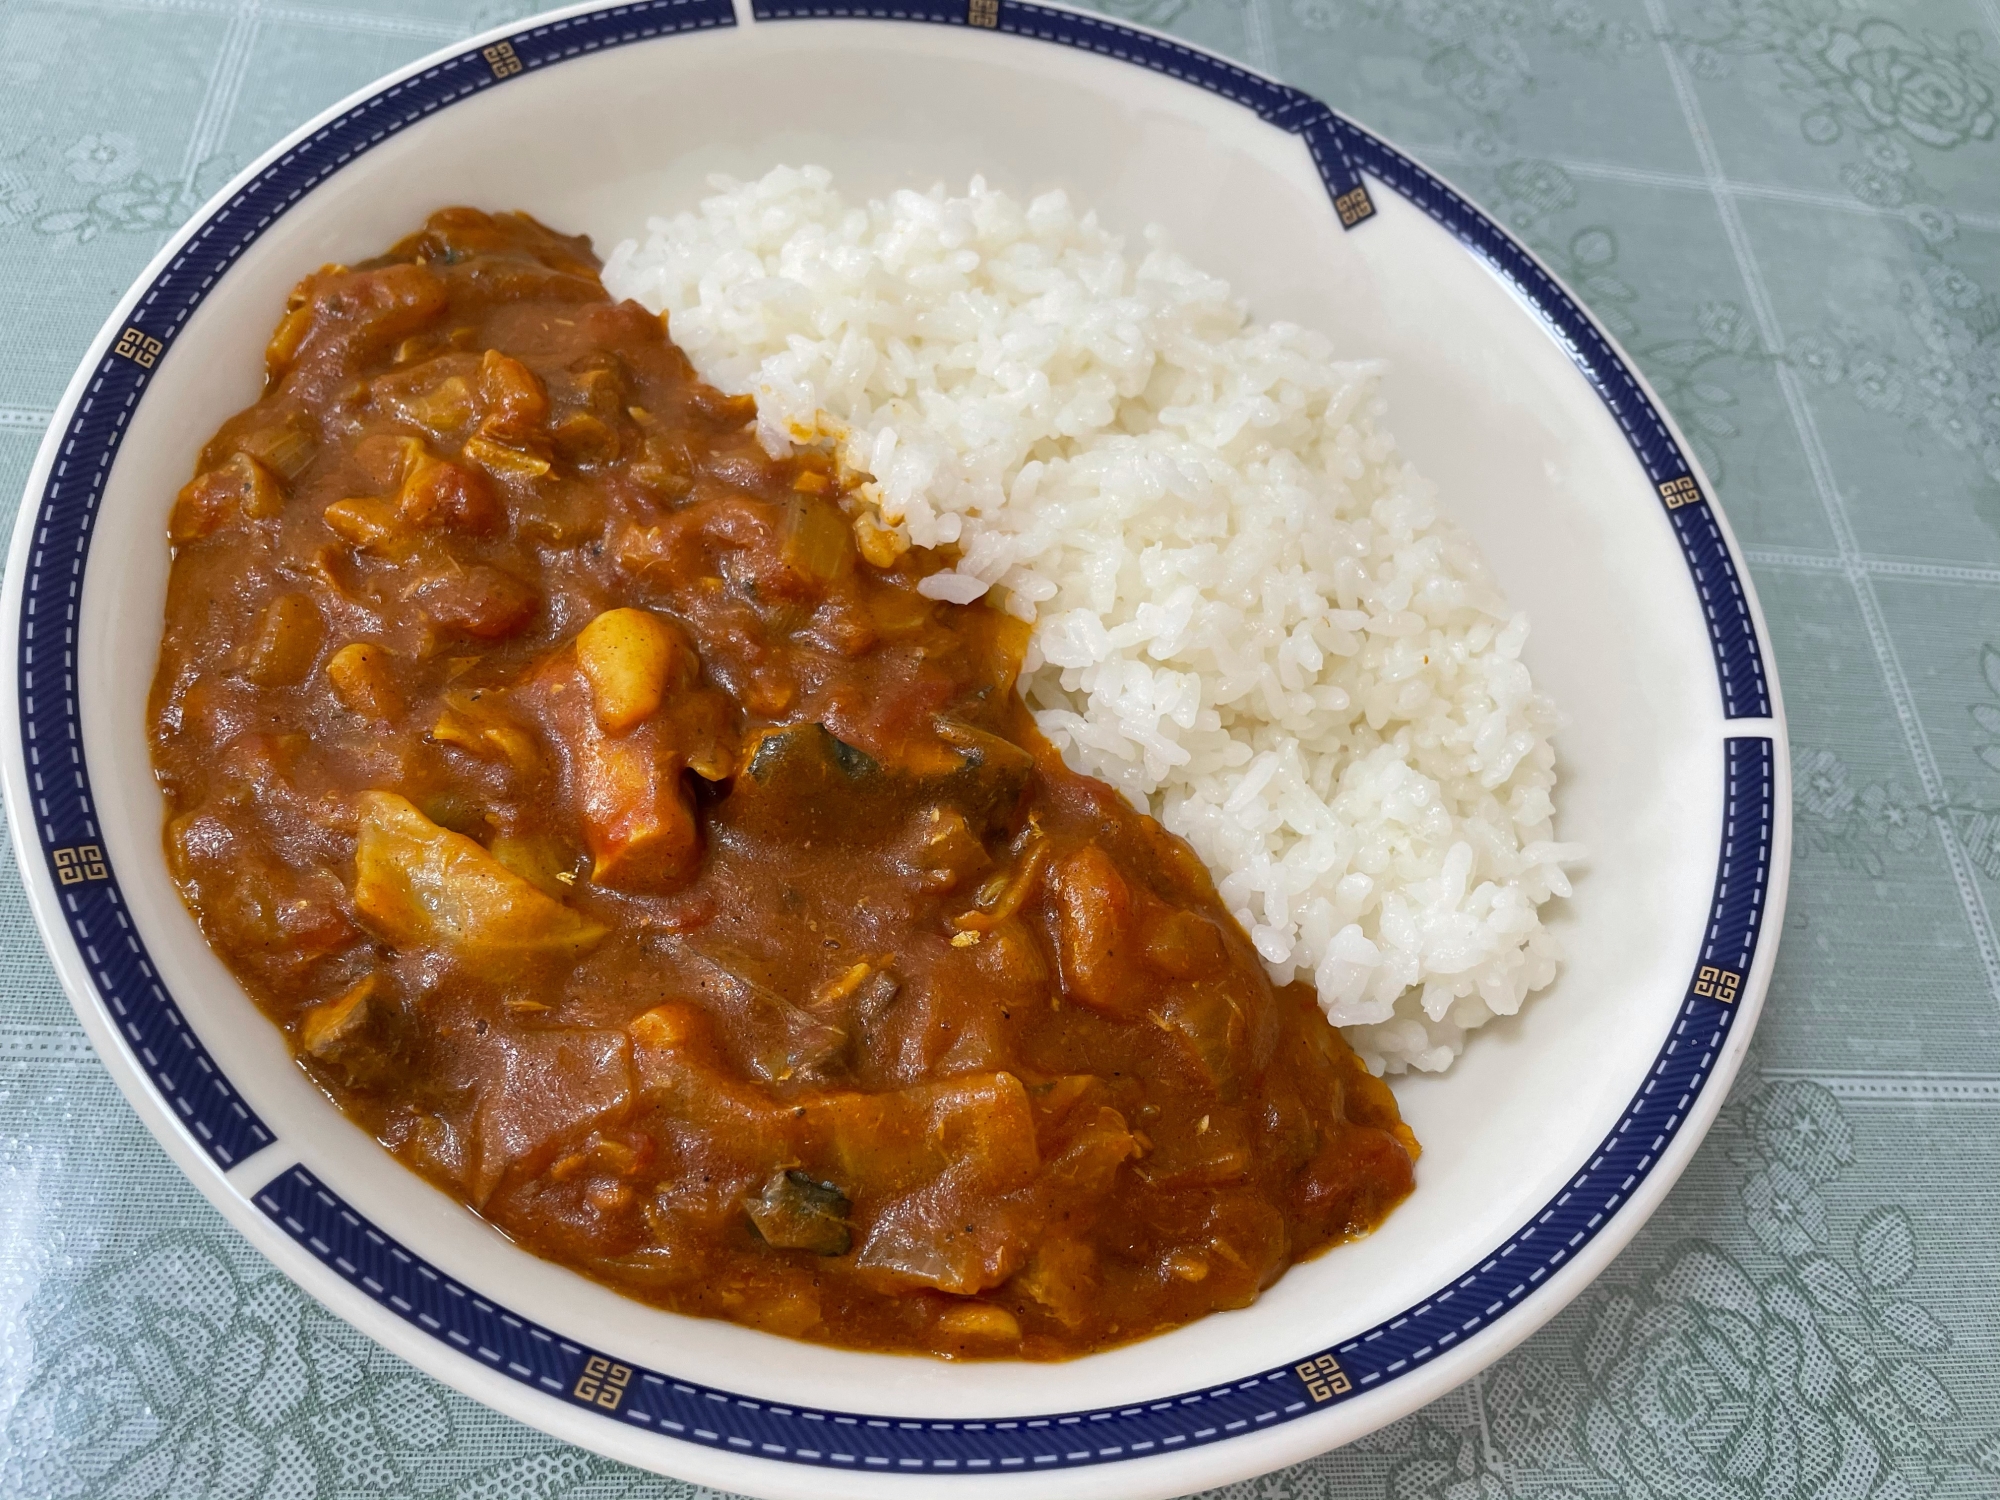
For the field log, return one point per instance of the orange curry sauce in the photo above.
(621, 838)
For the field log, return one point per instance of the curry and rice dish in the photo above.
(630, 831)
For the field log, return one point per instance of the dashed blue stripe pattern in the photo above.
(316, 1218)
(311, 1214)
(1743, 870)
(1738, 661)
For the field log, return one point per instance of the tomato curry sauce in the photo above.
(622, 838)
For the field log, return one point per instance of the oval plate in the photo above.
(1546, 1146)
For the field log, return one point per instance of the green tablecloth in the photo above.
(1789, 212)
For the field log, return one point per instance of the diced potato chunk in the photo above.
(629, 657)
(364, 522)
(980, 1322)
(787, 1308)
(260, 494)
(448, 496)
(360, 676)
(201, 509)
(418, 884)
(281, 650)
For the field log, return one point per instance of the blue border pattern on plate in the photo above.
(398, 1280)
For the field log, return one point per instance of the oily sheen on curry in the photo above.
(622, 838)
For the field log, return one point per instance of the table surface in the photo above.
(1789, 212)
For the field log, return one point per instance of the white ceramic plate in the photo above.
(1545, 1147)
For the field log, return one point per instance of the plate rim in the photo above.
(227, 1185)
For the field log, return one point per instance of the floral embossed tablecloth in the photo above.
(1789, 211)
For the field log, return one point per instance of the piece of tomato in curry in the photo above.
(622, 838)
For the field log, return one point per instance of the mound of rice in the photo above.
(1248, 612)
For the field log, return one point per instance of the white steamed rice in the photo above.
(1248, 613)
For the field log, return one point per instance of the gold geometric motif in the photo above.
(1324, 1378)
(81, 863)
(983, 13)
(141, 348)
(1712, 983)
(1679, 492)
(603, 1383)
(501, 59)
(1353, 206)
